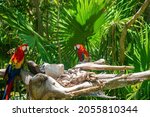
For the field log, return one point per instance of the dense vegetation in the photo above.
(52, 27)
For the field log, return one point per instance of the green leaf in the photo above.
(30, 40)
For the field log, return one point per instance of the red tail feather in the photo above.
(8, 90)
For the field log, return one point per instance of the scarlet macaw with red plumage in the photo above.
(82, 53)
(13, 69)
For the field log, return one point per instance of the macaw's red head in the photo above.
(83, 55)
(18, 56)
(24, 47)
(79, 47)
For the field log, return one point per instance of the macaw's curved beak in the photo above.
(27, 49)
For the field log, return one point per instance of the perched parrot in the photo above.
(13, 68)
(82, 53)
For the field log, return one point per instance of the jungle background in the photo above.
(53, 27)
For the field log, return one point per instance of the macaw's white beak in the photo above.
(76, 46)
(26, 50)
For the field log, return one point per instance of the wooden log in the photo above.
(42, 86)
(33, 67)
(92, 66)
(45, 87)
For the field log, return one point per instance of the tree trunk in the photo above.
(38, 17)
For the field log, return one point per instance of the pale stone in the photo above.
(53, 70)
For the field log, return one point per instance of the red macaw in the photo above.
(82, 53)
(13, 69)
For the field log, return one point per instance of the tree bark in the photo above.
(38, 16)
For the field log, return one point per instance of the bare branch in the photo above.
(127, 26)
(92, 66)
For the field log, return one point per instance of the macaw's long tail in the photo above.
(7, 91)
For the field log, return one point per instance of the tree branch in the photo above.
(127, 26)
(45, 87)
(92, 66)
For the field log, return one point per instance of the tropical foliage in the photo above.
(53, 27)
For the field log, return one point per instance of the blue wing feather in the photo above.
(82, 56)
(12, 72)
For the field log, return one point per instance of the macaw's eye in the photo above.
(25, 48)
(78, 46)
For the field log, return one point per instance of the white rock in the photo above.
(53, 70)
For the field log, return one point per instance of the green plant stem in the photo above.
(127, 26)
